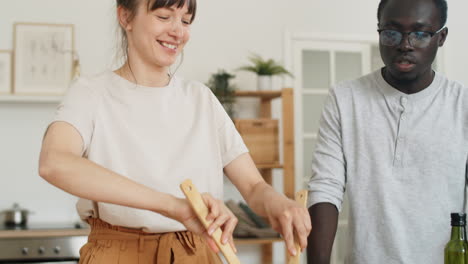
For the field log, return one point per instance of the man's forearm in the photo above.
(324, 218)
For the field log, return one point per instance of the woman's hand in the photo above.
(218, 213)
(285, 215)
(288, 218)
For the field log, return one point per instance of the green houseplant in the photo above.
(219, 83)
(265, 69)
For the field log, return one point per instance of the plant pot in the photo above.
(264, 82)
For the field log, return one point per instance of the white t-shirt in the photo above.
(156, 136)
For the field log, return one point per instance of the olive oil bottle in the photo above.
(456, 250)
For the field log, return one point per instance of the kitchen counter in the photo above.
(43, 233)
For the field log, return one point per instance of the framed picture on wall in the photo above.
(5, 72)
(43, 58)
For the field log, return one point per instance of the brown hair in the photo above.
(132, 6)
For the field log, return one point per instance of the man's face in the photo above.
(404, 61)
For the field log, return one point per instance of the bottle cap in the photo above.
(458, 219)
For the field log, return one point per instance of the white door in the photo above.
(317, 65)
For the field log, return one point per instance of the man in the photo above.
(397, 141)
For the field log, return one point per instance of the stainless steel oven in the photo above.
(42, 245)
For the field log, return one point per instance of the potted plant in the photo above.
(264, 69)
(223, 90)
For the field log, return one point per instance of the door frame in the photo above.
(291, 40)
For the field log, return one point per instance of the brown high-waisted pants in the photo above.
(108, 244)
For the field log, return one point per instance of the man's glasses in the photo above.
(417, 39)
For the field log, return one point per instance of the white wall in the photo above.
(455, 51)
(222, 37)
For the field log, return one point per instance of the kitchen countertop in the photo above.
(43, 233)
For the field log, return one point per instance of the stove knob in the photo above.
(41, 250)
(57, 250)
(25, 251)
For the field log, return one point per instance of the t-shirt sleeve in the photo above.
(229, 140)
(77, 109)
(327, 184)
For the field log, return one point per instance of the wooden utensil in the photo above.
(196, 201)
(301, 198)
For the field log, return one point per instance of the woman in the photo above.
(124, 140)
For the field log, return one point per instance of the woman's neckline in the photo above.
(129, 83)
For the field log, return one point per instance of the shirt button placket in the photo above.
(398, 160)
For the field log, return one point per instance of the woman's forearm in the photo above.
(86, 179)
(262, 193)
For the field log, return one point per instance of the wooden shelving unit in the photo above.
(286, 96)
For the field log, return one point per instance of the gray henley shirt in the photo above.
(401, 159)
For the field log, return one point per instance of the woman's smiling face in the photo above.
(157, 37)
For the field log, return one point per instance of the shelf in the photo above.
(260, 94)
(30, 99)
(287, 164)
(258, 241)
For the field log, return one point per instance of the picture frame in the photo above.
(5, 72)
(43, 58)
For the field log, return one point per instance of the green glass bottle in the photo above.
(456, 248)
